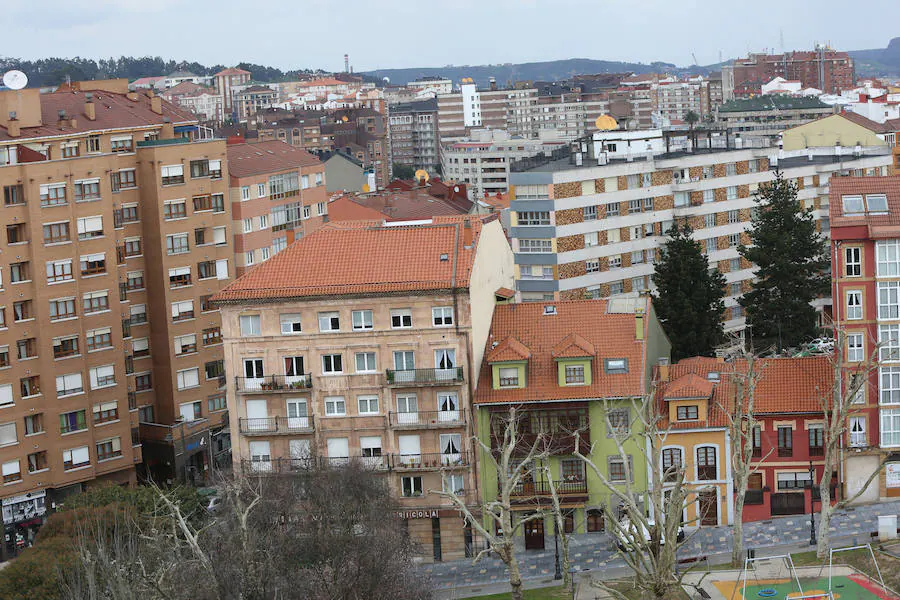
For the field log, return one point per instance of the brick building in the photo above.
(824, 69)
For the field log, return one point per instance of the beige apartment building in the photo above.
(277, 196)
(590, 224)
(363, 342)
(106, 196)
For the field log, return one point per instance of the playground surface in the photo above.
(844, 587)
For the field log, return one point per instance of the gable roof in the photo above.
(507, 350)
(688, 386)
(345, 208)
(365, 258)
(873, 126)
(573, 346)
(271, 156)
(611, 334)
(879, 225)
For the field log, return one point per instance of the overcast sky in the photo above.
(423, 33)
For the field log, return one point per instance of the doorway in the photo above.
(709, 508)
(534, 534)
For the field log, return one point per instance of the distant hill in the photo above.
(879, 61)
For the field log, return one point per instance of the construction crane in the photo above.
(695, 59)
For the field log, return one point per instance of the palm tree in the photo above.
(691, 118)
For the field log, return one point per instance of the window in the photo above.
(22, 311)
(709, 220)
(216, 402)
(855, 347)
(889, 342)
(134, 280)
(172, 174)
(245, 192)
(34, 424)
(263, 221)
(404, 360)
(94, 302)
(329, 321)
(174, 209)
(199, 168)
(260, 190)
(108, 449)
(508, 376)
(90, 227)
(8, 434)
(401, 318)
(794, 481)
(105, 412)
(591, 239)
(249, 325)
(707, 467)
(734, 264)
(98, 339)
(26, 348)
(368, 405)
(332, 364)
(87, 190)
(248, 225)
(76, 458)
(123, 180)
(592, 266)
(130, 214)
(687, 413)
(57, 233)
(62, 308)
(411, 486)
(731, 192)
(616, 365)
(876, 203)
(140, 347)
(615, 261)
(71, 422)
(142, 383)
(93, 264)
(212, 336)
(207, 269)
(13, 195)
(53, 194)
(362, 320)
(816, 440)
(442, 316)
(4, 356)
(535, 246)
(888, 300)
(671, 463)
(365, 362)
(190, 411)
(534, 218)
(858, 432)
(183, 310)
(20, 272)
(617, 472)
(132, 246)
(102, 377)
(890, 427)
(188, 378)
(612, 209)
(590, 213)
(290, 324)
(120, 143)
(137, 314)
(335, 406)
(177, 243)
(185, 344)
(734, 240)
(887, 254)
(6, 394)
(618, 422)
(853, 262)
(785, 441)
(709, 196)
(574, 374)
(854, 302)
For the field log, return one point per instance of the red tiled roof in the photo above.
(879, 225)
(508, 349)
(573, 346)
(892, 125)
(364, 257)
(113, 111)
(612, 334)
(504, 292)
(232, 71)
(688, 386)
(344, 208)
(273, 156)
(873, 126)
(405, 205)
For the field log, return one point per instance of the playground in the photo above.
(844, 587)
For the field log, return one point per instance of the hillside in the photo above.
(879, 61)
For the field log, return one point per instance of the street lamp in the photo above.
(557, 573)
(812, 505)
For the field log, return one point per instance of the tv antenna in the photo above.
(15, 80)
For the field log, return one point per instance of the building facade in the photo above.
(334, 366)
(414, 136)
(277, 195)
(824, 69)
(227, 80)
(102, 203)
(765, 117)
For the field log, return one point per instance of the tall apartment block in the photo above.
(277, 195)
(471, 108)
(824, 69)
(106, 196)
(414, 137)
(371, 360)
(865, 281)
(591, 223)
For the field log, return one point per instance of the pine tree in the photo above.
(792, 261)
(689, 296)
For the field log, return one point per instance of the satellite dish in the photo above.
(456, 188)
(386, 79)
(15, 80)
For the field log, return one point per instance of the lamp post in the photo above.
(812, 506)
(557, 573)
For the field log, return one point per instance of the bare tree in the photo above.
(559, 526)
(653, 562)
(838, 405)
(514, 463)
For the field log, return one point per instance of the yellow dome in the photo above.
(606, 123)
(422, 174)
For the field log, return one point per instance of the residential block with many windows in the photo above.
(361, 342)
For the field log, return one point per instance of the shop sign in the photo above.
(427, 513)
(23, 508)
(892, 475)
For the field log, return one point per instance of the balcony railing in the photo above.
(271, 466)
(429, 461)
(428, 418)
(273, 383)
(424, 376)
(816, 451)
(276, 425)
(542, 488)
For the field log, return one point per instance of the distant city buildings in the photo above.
(414, 136)
(824, 69)
(227, 81)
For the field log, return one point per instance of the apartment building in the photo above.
(483, 161)
(351, 348)
(761, 119)
(277, 195)
(591, 224)
(104, 192)
(413, 134)
(865, 280)
(471, 108)
(253, 99)
(202, 101)
(569, 366)
(824, 69)
(228, 82)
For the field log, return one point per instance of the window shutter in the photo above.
(8, 434)
(81, 455)
(11, 467)
(218, 235)
(222, 268)
(6, 394)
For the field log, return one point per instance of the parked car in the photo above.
(822, 344)
(623, 541)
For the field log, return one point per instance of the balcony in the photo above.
(275, 466)
(431, 419)
(533, 489)
(277, 425)
(273, 383)
(433, 461)
(417, 377)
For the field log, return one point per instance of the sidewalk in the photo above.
(594, 552)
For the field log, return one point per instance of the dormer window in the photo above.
(574, 374)
(688, 413)
(873, 204)
(853, 205)
(616, 365)
(876, 203)
(713, 376)
(509, 377)
(550, 309)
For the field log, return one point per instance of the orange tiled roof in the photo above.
(612, 335)
(504, 292)
(274, 156)
(232, 71)
(343, 208)
(508, 349)
(873, 126)
(879, 225)
(364, 257)
(688, 386)
(573, 346)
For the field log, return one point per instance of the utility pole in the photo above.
(812, 506)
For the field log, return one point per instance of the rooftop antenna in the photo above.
(15, 80)
(781, 38)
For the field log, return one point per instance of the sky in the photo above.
(433, 33)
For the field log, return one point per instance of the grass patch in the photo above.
(861, 560)
(545, 593)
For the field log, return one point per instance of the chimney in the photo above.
(90, 110)
(156, 104)
(289, 236)
(133, 96)
(168, 130)
(73, 122)
(12, 126)
(467, 234)
(663, 368)
(493, 83)
(639, 324)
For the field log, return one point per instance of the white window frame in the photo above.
(442, 316)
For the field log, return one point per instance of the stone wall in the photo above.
(567, 190)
